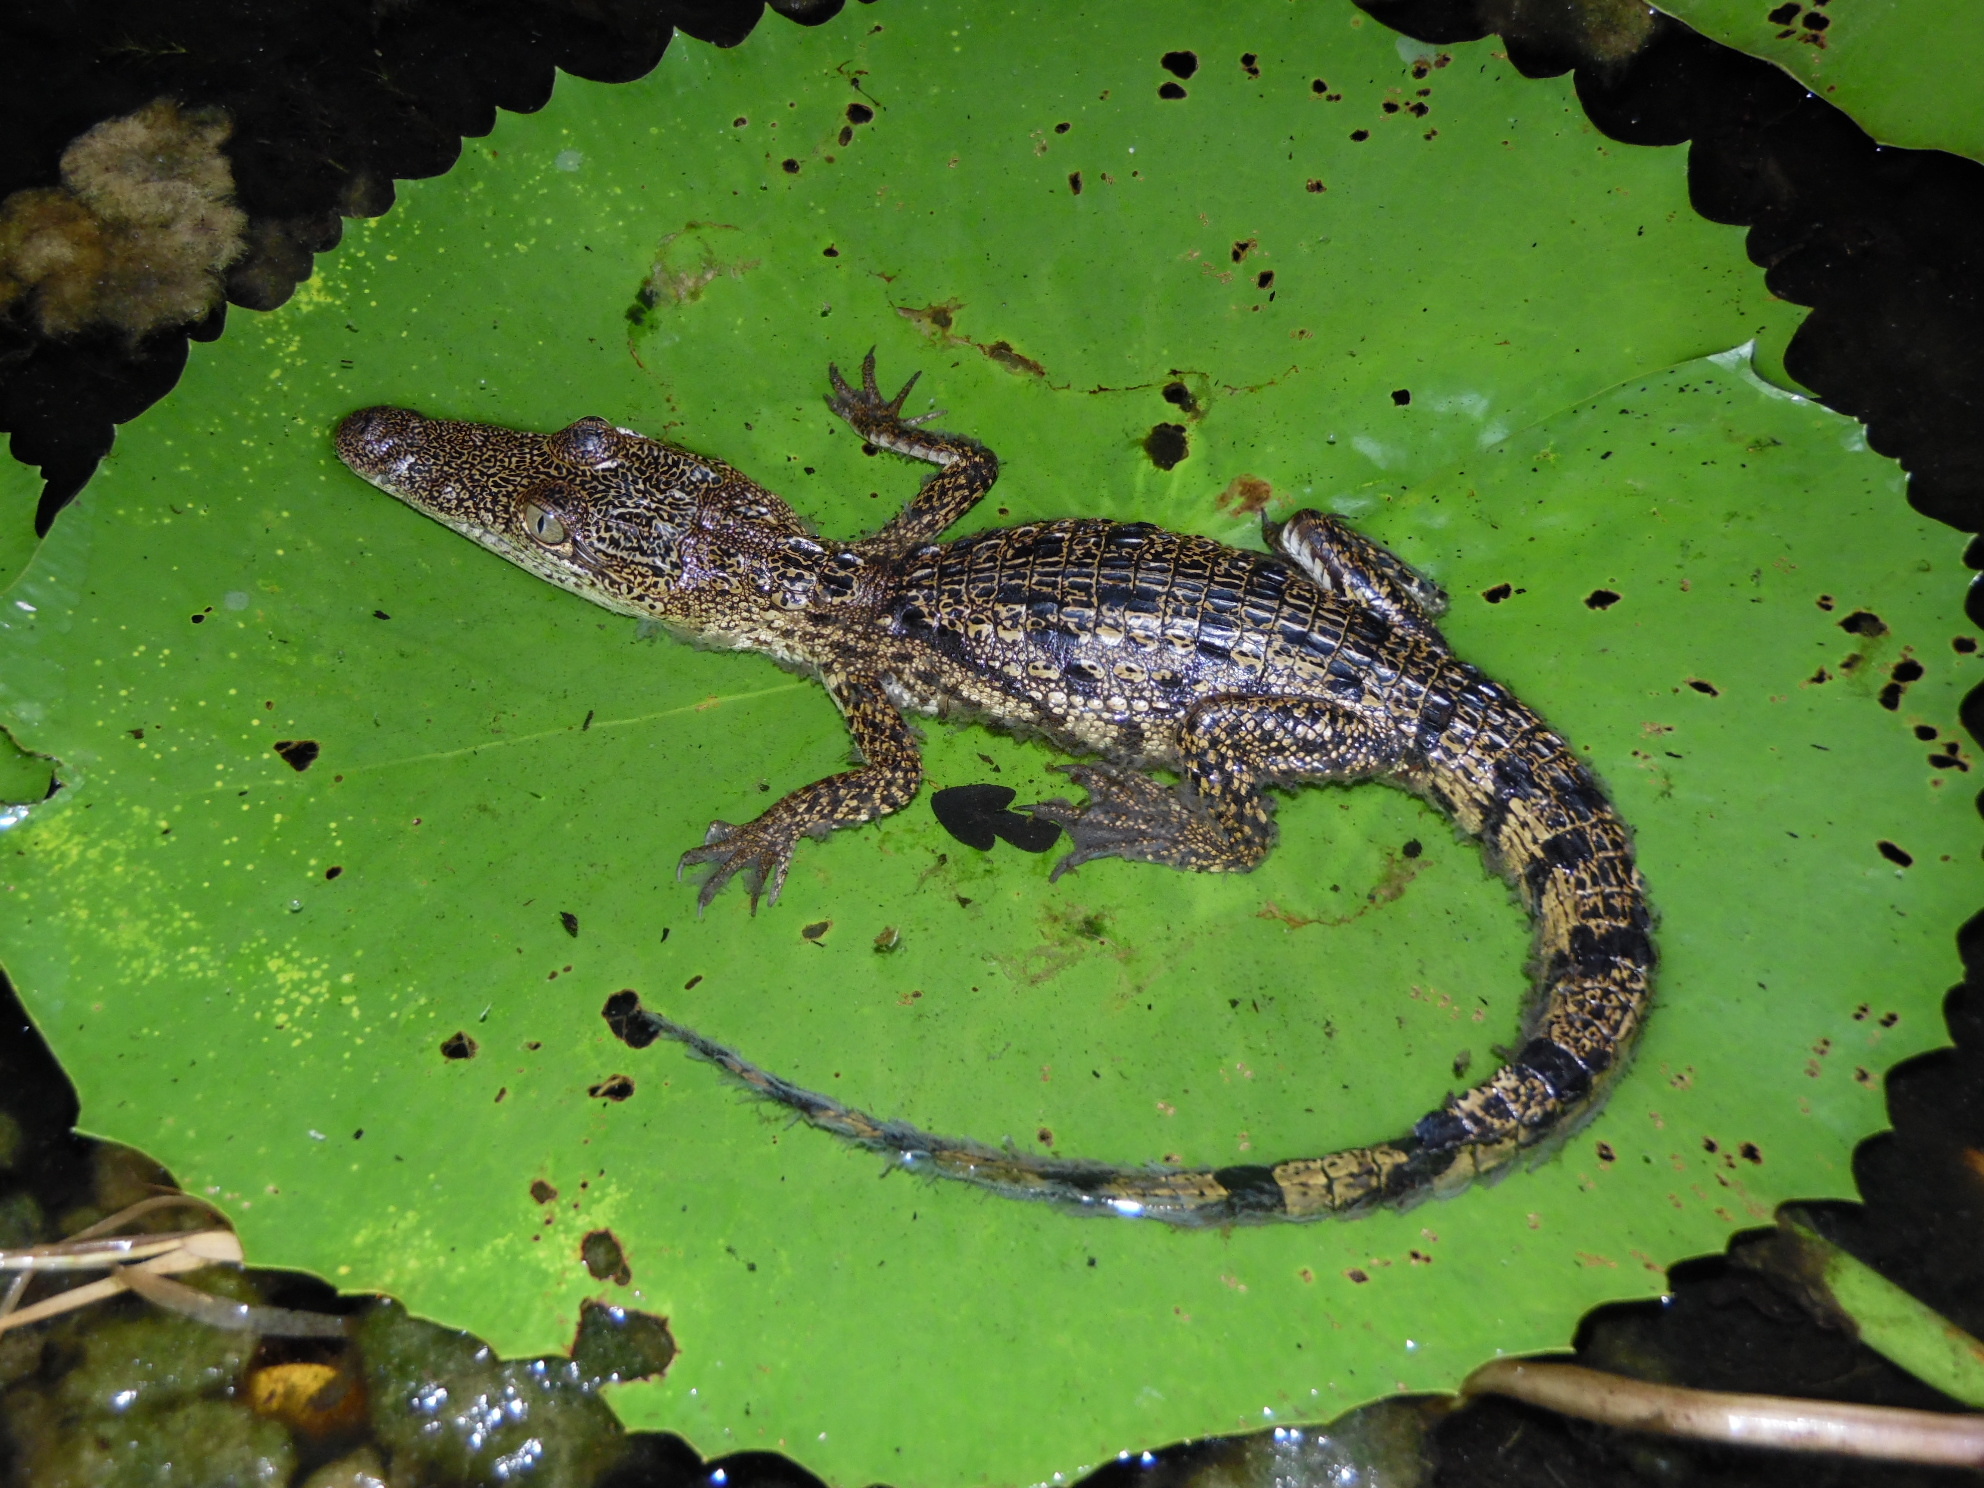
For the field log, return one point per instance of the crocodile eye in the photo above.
(543, 525)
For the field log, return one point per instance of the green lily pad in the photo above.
(1904, 70)
(354, 991)
(20, 485)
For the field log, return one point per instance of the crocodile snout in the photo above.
(373, 440)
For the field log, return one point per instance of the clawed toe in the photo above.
(866, 409)
(760, 856)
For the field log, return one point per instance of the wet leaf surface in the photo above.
(496, 762)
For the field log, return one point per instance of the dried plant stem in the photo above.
(1885, 1432)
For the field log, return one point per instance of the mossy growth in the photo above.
(136, 235)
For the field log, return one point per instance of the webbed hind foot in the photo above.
(1129, 815)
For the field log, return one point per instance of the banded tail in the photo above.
(1550, 830)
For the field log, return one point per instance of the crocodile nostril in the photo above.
(372, 435)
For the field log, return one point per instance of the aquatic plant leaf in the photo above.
(364, 830)
(1904, 70)
(20, 487)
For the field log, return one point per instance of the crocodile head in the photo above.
(598, 510)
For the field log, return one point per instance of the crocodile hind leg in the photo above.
(1218, 819)
(1344, 561)
(967, 471)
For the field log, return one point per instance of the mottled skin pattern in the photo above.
(1135, 647)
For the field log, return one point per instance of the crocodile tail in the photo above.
(1177, 1196)
(1549, 828)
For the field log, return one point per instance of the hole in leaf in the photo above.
(613, 1088)
(1864, 623)
(604, 1259)
(628, 1021)
(1166, 445)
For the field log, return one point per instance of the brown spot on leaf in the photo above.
(1245, 495)
(1003, 353)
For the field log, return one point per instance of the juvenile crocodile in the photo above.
(1137, 647)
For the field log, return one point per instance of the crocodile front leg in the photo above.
(887, 779)
(1218, 819)
(967, 472)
